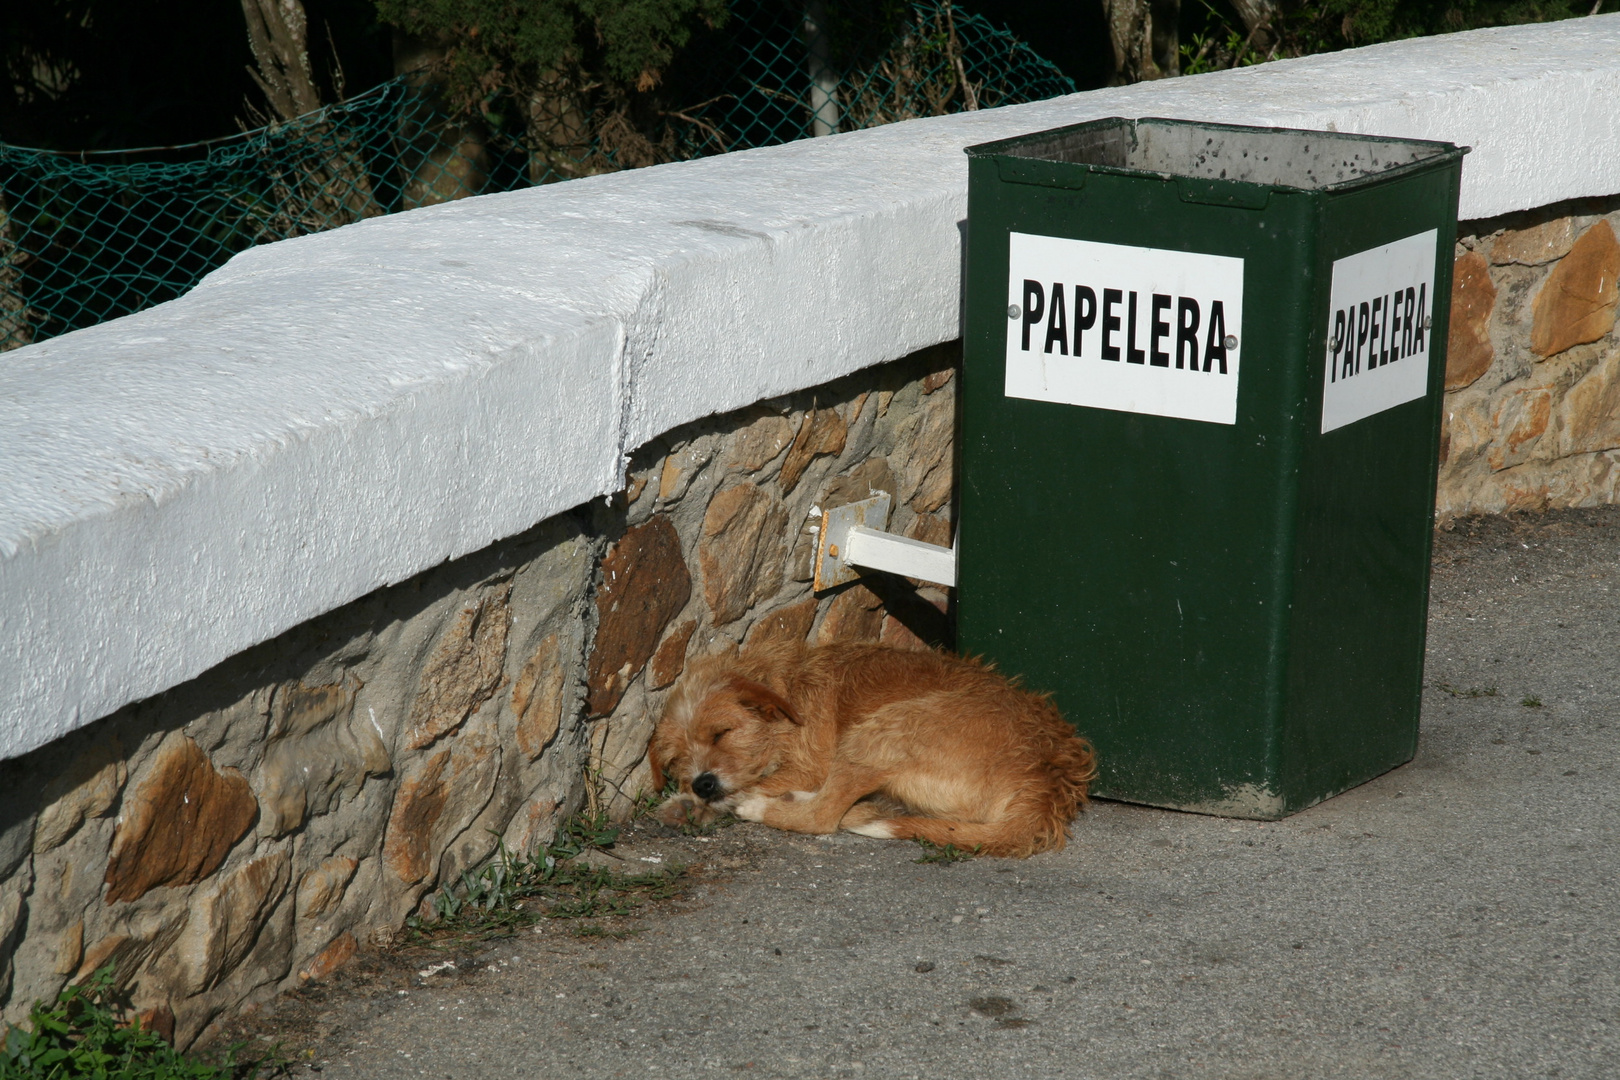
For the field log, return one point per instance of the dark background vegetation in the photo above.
(110, 74)
(114, 74)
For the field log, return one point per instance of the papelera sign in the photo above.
(1133, 329)
(1378, 332)
(1159, 331)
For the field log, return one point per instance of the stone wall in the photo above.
(254, 827)
(1532, 415)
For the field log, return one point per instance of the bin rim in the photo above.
(1446, 152)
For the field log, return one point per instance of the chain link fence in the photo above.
(88, 237)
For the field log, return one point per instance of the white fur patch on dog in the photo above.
(800, 796)
(877, 829)
(750, 807)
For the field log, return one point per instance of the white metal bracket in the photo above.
(852, 538)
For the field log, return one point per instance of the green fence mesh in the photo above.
(87, 237)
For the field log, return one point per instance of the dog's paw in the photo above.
(881, 830)
(751, 807)
(682, 810)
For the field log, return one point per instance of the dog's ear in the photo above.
(761, 699)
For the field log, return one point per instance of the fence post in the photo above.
(823, 79)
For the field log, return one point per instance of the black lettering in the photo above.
(1383, 348)
(1394, 325)
(1187, 332)
(1111, 298)
(1161, 330)
(1422, 320)
(1057, 322)
(1406, 322)
(1215, 343)
(1375, 334)
(1361, 333)
(1034, 307)
(1133, 355)
(1347, 350)
(1085, 313)
(1337, 345)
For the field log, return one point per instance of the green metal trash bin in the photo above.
(1201, 390)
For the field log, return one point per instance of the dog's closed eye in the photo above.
(718, 736)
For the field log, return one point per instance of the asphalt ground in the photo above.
(1457, 917)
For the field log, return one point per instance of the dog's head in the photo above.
(721, 733)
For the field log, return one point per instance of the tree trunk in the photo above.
(15, 331)
(1146, 39)
(278, 32)
(443, 158)
(319, 181)
(1255, 15)
(559, 131)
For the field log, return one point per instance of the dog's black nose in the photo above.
(706, 786)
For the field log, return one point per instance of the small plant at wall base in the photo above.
(512, 891)
(944, 855)
(1471, 692)
(709, 828)
(84, 1035)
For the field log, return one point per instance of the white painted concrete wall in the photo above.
(327, 415)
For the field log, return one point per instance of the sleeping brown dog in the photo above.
(878, 741)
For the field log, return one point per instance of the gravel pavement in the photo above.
(1457, 917)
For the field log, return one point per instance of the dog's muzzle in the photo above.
(706, 786)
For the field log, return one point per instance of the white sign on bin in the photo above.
(1133, 329)
(1379, 331)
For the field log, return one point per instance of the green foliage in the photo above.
(1362, 22)
(1531, 702)
(516, 46)
(858, 29)
(91, 239)
(949, 853)
(582, 833)
(515, 891)
(710, 827)
(1217, 38)
(1471, 692)
(639, 37)
(82, 1035)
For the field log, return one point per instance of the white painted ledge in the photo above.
(330, 414)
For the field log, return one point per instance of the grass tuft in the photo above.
(1471, 692)
(86, 1034)
(513, 892)
(709, 828)
(949, 853)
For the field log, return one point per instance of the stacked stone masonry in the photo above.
(252, 829)
(1532, 412)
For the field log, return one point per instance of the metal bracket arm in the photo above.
(851, 539)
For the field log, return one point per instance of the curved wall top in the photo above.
(327, 415)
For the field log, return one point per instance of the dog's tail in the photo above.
(1066, 765)
(1070, 765)
(1010, 838)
